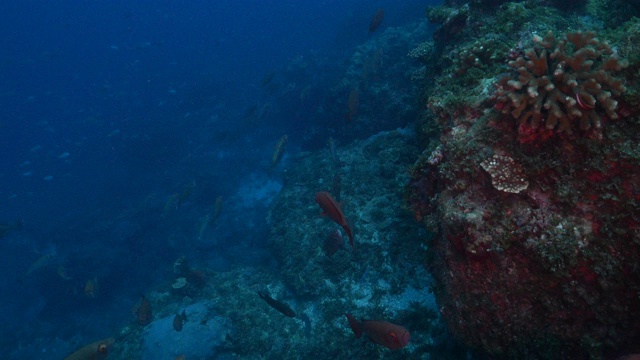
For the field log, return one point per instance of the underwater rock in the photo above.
(536, 242)
(201, 337)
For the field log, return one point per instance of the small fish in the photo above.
(217, 208)
(332, 151)
(278, 305)
(384, 333)
(48, 178)
(332, 209)
(376, 20)
(143, 312)
(179, 320)
(278, 151)
(64, 155)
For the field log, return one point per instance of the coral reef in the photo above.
(562, 85)
(383, 276)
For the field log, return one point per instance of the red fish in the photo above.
(376, 20)
(332, 209)
(384, 333)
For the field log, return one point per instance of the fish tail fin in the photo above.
(347, 229)
(355, 325)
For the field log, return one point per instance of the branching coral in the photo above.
(564, 84)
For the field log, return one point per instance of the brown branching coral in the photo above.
(563, 84)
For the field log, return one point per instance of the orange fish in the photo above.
(384, 333)
(332, 209)
(94, 351)
(376, 20)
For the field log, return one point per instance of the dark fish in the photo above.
(179, 320)
(143, 312)
(278, 305)
(376, 20)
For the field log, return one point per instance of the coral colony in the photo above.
(564, 85)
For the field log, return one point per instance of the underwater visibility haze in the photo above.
(334, 179)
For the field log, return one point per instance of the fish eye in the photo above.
(102, 348)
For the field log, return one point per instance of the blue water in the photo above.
(108, 108)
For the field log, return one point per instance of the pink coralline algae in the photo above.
(563, 85)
